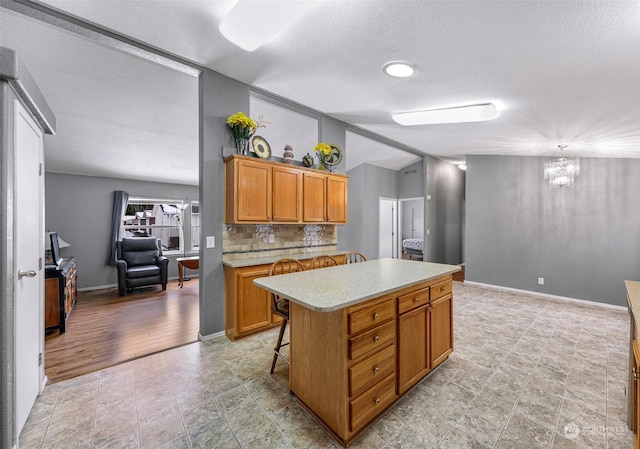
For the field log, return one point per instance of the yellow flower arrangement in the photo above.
(243, 127)
(323, 150)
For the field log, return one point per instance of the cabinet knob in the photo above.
(377, 401)
(417, 300)
(376, 338)
(635, 373)
(443, 288)
(375, 316)
(376, 369)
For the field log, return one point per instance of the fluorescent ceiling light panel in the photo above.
(252, 23)
(399, 69)
(461, 114)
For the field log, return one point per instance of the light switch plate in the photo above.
(211, 241)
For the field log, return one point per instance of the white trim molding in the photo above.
(547, 295)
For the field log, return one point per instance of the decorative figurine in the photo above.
(307, 160)
(288, 154)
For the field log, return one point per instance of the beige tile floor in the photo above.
(527, 372)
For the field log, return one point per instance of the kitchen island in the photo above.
(363, 334)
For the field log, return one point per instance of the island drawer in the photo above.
(368, 317)
(376, 338)
(413, 300)
(441, 289)
(372, 402)
(371, 370)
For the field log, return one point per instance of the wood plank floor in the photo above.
(105, 329)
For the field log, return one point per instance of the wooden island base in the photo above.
(350, 365)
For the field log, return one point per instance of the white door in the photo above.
(29, 250)
(387, 228)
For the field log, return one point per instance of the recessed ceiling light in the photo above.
(460, 114)
(399, 69)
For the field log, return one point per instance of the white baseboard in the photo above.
(210, 336)
(547, 295)
(44, 383)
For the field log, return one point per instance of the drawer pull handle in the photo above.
(376, 338)
(376, 370)
(375, 316)
(635, 373)
(417, 299)
(443, 288)
(377, 401)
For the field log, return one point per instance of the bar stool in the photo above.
(323, 261)
(354, 257)
(280, 306)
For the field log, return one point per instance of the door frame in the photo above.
(401, 202)
(15, 83)
(394, 225)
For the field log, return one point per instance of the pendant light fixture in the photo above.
(562, 172)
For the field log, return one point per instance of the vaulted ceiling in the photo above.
(561, 71)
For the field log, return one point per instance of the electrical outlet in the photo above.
(272, 238)
(540, 281)
(211, 241)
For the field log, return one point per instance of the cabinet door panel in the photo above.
(336, 199)
(413, 357)
(287, 194)
(253, 192)
(314, 197)
(636, 392)
(441, 324)
(254, 307)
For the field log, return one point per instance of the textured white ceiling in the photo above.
(563, 71)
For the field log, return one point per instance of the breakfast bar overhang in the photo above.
(363, 334)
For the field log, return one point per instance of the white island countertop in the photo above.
(333, 288)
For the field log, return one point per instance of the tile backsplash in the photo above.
(248, 241)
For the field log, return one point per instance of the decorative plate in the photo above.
(334, 157)
(261, 147)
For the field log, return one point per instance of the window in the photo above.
(195, 226)
(160, 218)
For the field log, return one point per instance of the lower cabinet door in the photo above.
(441, 326)
(254, 307)
(413, 347)
(636, 394)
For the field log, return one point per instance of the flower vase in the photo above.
(242, 145)
(321, 164)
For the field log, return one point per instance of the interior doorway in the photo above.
(411, 227)
(387, 228)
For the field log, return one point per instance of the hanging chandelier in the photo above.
(561, 172)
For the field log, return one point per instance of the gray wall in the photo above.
(219, 97)
(411, 181)
(583, 240)
(79, 209)
(367, 183)
(444, 212)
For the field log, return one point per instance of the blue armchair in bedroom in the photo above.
(140, 262)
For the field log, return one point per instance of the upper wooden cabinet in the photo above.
(259, 191)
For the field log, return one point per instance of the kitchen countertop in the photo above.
(633, 297)
(333, 288)
(236, 263)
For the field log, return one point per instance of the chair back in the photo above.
(354, 257)
(323, 261)
(279, 305)
(139, 251)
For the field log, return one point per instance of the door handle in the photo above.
(28, 274)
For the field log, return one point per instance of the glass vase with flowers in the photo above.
(243, 127)
(322, 151)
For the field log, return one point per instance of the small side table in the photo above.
(193, 263)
